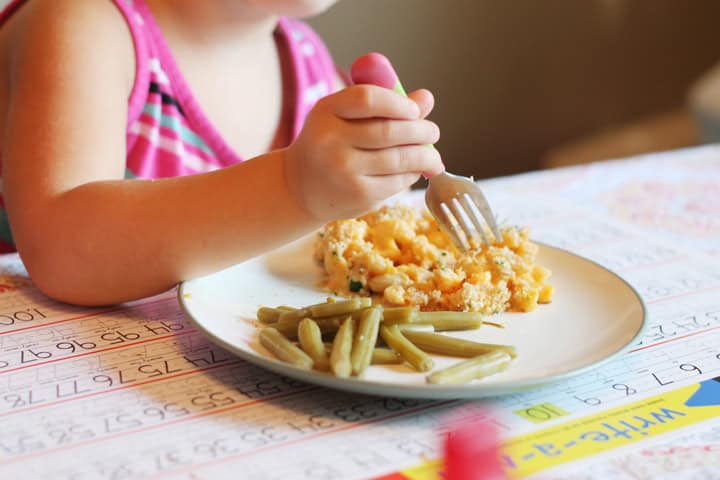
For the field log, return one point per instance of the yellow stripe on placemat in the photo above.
(597, 433)
(431, 470)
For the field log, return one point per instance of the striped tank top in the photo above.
(167, 132)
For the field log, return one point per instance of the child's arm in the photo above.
(89, 237)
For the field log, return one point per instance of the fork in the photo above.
(456, 202)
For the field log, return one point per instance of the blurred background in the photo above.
(527, 84)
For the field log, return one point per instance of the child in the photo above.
(150, 141)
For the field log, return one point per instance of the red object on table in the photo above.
(472, 450)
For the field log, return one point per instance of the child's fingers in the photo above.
(384, 186)
(368, 101)
(424, 99)
(381, 133)
(414, 159)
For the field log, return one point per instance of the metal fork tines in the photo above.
(460, 207)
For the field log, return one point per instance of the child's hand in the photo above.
(359, 146)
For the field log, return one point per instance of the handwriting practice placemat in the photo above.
(133, 391)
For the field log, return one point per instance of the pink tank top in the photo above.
(167, 132)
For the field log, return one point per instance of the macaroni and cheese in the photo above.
(401, 257)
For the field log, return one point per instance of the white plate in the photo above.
(594, 316)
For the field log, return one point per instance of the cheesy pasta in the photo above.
(402, 257)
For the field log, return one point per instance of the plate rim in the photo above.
(424, 391)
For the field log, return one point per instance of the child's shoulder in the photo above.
(79, 16)
(64, 35)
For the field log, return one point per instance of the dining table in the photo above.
(136, 390)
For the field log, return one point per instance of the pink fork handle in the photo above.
(375, 69)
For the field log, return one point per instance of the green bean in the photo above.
(286, 319)
(289, 327)
(409, 352)
(330, 325)
(342, 347)
(474, 368)
(289, 316)
(439, 320)
(268, 314)
(338, 319)
(311, 342)
(457, 347)
(365, 339)
(415, 327)
(403, 327)
(393, 315)
(442, 325)
(443, 321)
(284, 349)
(338, 308)
(384, 356)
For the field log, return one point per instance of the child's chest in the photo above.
(241, 99)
